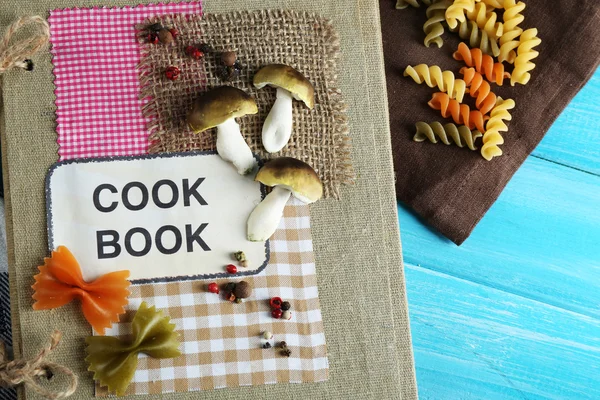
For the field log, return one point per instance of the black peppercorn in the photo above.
(230, 287)
(282, 345)
(286, 352)
(285, 306)
(267, 345)
(205, 48)
(155, 27)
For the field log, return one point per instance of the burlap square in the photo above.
(300, 39)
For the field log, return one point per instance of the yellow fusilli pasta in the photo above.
(492, 138)
(402, 4)
(494, 3)
(456, 12)
(509, 40)
(486, 20)
(433, 27)
(434, 76)
(525, 54)
(469, 30)
(460, 135)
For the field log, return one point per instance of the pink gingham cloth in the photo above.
(95, 53)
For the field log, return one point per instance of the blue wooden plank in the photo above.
(540, 240)
(476, 342)
(574, 138)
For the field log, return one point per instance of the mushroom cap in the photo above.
(286, 77)
(297, 176)
(218, 105)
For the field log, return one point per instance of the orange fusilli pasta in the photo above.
(460, 113)
(484, 64)
(480, 89)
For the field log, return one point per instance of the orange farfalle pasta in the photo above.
(60, 281)
(484, 64)
(460, 113)
(480, 89)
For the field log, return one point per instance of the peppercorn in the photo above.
(231, 269)
(230, 287)
(276, 313)
(152, 38)
(287, 315)
(194, 52)
(240, 256)
(172, 73)
(275, 302)
(286, 352)
(165, 36)
(267, 335)
(155, 27)
(213, 288)
(227, 73)
(286, 305)
(228, 58)
(243, 290)
(266, 345)
(282, 345)
(205, 48)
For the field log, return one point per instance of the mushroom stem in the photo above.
(277, 128)
(265, 217)
(232, 147)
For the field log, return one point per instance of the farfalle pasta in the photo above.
(509, 41)
(114, 361)
(492, 139)
(434, 76)
(486, 20)
(460, 135)
(525, 54)
(477, 38)
(460, 113)
(60, 281)
(484, 64)
(479, 88)
(433, 27)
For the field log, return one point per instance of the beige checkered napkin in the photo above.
(221, 341)
(303, 40)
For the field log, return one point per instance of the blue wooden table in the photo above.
(514, 313)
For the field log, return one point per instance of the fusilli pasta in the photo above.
(484, 64)
(486, 20)
(525, 54)
(468, 30)
(492, 137)
(480, 89)
(460, 135)
(460, 113)
(434, 76)
(402, 4)
(509, 39)
(494, 3)
(433, 27)
(456, 12)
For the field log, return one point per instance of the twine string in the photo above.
(17, 53)
(28, 372)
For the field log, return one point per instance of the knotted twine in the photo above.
(17, 372)
(16, 55)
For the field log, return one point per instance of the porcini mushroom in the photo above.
(290, 83)
(290, 177)
(219, 107)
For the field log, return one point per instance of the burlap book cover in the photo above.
(356, 241)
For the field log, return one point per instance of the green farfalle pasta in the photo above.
(460, 135)
(114, 361)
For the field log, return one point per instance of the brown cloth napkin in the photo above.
(450, 187)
